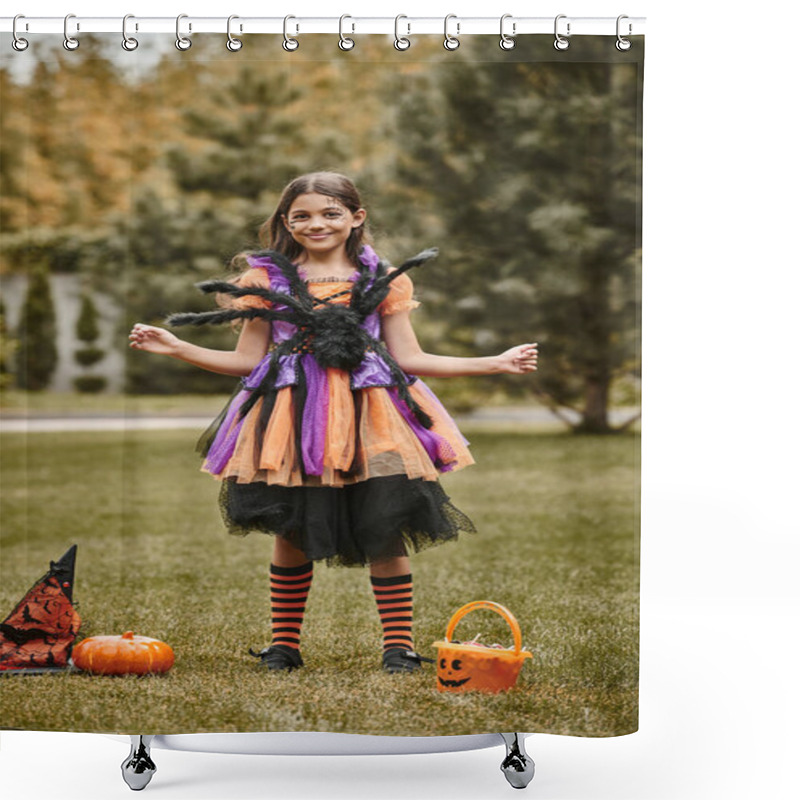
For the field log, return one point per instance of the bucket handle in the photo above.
(496, 607)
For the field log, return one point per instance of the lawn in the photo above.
(17, 403)
(557, 516)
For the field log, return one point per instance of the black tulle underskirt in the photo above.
(350, 525)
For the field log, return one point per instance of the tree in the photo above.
(88, 331)
(164, 248)
(530, 170)
(12, 143)
(86, 328)
(37, 355)
(246, 140)
(8, 346)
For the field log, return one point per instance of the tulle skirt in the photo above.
(350, 477)
(351, 525)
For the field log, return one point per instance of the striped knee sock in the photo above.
(394, 597)
(288, 589)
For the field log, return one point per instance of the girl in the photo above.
(332, 444)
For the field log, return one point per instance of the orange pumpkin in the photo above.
(122, 655)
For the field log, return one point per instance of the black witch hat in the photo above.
(37, 636)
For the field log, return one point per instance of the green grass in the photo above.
(558, 544)
(14, 402)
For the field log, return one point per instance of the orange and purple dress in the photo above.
(328, 443)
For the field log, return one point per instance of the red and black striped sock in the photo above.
(288, 589)
(394, 597)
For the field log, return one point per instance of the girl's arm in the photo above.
(401, 340)
(251, 347)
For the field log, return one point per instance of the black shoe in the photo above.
(398, 659)
(279, 656)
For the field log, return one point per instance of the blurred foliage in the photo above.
(524, 171)
(8, 349)
(37, 356)
(87, 356)
(89, 384)
(86, 328)
(532, 169)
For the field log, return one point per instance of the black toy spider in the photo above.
(333, 333)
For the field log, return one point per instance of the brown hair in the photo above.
(273, 234)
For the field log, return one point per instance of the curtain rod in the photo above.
(402, 25)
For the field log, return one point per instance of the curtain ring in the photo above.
(450, 42)
(401, 42)
(560, 42)
(345, 43)
(181, 42)
(289, 44)
(507, 42)
(623, 44)
(233, 44)
(128, 42)
(69, 42)
(18, 43)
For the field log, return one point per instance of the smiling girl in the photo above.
(333, 444)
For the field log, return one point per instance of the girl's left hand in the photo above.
(520, 359)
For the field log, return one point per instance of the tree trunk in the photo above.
(595, 414)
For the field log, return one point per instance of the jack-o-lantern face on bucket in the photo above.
(473, 667)
(451, 674)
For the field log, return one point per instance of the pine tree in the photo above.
(8, 346)
(88, 331)
(248, 140)
(37, 355)
(530, 169)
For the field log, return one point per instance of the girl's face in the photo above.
(321, 224)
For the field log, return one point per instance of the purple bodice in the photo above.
(373, 369)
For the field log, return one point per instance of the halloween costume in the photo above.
(37, 636)
(328, 442)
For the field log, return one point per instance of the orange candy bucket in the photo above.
(475, 667)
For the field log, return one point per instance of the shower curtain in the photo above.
(129, 177)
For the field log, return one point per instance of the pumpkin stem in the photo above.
(127, 635)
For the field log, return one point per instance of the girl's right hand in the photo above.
(153, 340)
